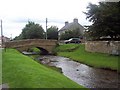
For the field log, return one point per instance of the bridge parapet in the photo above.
(46, 44)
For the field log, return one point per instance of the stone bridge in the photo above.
(45, 46)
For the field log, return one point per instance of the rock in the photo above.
(115, 52)
(4, 87)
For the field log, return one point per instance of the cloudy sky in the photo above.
(16, 13)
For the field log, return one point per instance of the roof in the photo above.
(4, 37)
(72, 26)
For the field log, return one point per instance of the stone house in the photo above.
(4, 39)
(71, 26)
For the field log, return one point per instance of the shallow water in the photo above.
(82, 74)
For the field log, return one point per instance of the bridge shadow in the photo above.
(43, 51)
(32, 50)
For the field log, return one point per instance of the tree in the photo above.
(18, 37)
(32, 31)
(52, 32)
(105, 18)
(71, 34)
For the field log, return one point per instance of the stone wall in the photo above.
(110, 47)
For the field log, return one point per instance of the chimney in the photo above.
(75, 20)
(66, 23)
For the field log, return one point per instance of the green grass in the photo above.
(97, 60)
(67, 47)
(34, 49)
(21, 71)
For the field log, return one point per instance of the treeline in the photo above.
(106, 21)
(35, 31)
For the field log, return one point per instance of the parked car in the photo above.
(72, 40)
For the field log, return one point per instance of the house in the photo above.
(71, 26)
(3, 39)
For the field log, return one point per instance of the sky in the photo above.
(15, 14)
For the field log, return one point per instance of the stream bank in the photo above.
(82, 74)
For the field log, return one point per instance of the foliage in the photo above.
(32, 31)
(18, 37)
(105, 18)
(70, 34)
(52, 33)
(20, 71)
(97, 60)
(34, 49)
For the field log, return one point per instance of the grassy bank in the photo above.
(98, 60)
(20, 71)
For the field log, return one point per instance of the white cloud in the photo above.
(16, 13)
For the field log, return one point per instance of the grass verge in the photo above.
(20, 71)
(97, 60)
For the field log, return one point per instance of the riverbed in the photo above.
(82, 74)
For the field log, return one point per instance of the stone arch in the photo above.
(43, 51)
(46, 46)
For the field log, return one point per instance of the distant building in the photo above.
(4, 39)
(71, 26)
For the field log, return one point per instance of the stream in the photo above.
(82, 74)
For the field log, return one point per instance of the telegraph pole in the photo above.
(11, 37)
(46, 28)
(1, 34)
